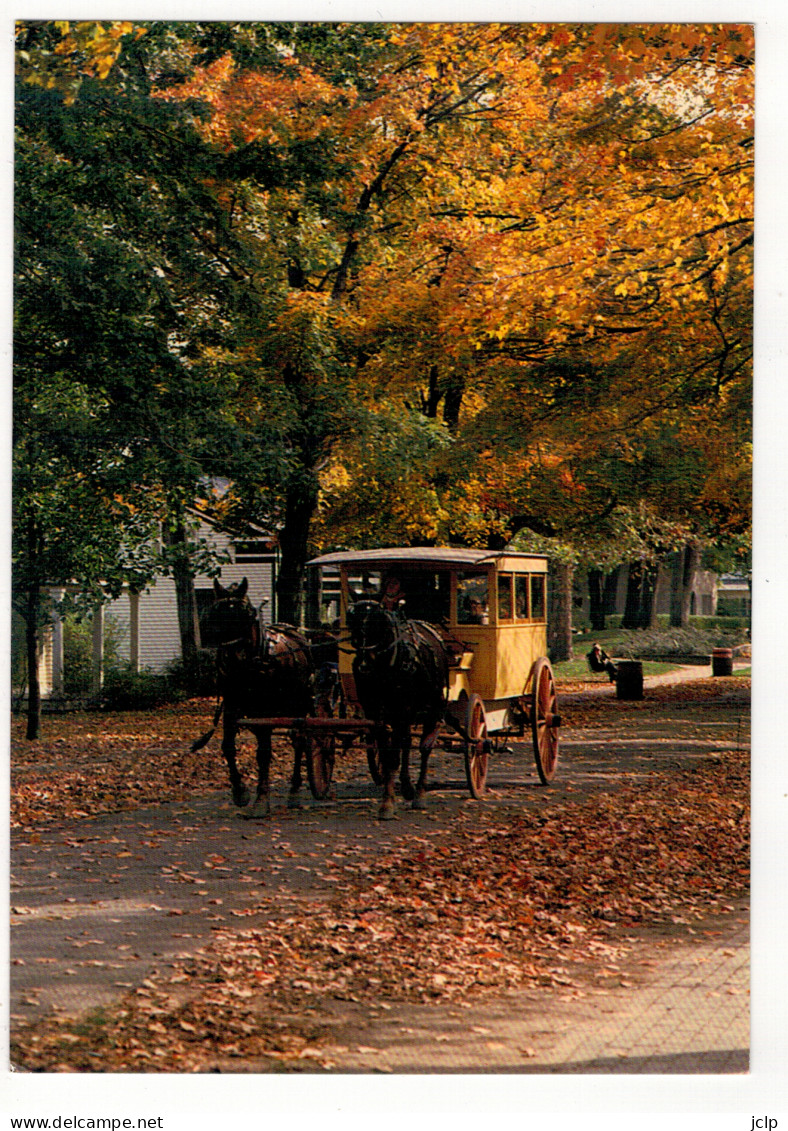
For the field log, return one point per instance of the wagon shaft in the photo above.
(310, 723)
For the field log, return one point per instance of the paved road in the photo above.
(96, 903)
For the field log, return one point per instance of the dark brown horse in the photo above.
(264, 671)
(401, 670)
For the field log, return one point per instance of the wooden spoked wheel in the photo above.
(545, 720)
(320, 751)
(477, 747)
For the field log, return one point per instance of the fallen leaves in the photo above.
(85, 765)
(521, 899)
(538, 898)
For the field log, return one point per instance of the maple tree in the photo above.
(536, 236)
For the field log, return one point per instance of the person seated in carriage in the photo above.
(474, 611)
(392, 595)
(599, 661)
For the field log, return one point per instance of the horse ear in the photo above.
(217, 588)
(242, 588)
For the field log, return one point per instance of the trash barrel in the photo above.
(629, 679)
(722, 661)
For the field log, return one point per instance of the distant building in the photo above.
(734, 595)
(712, 595)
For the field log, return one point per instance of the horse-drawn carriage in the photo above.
(451, 639)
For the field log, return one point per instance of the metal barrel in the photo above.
(722, 661)
(629, 679)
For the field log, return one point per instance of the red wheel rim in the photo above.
(545, 733)
(320, 764)
(476, 753)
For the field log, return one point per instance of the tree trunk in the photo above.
(32, 617)
(559, 623)
(452, 403)
(684, 566)
(596, 608)
(659, 583)
(293, 541)
(610, 591)
(188, 623)
(641, 585)
(432, 400)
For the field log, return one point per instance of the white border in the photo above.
(696, 1102)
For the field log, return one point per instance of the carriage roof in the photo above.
(423, 555)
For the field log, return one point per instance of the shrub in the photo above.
(644, 642)
(128, 690)
(195, 678)
(78, 653)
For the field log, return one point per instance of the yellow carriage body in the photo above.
(490, 606)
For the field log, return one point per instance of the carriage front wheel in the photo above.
(545, 720)
(477, 747)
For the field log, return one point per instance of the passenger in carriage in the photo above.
(473, 612)
(392, 596)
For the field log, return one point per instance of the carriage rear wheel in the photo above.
(545, 719)
(320, 753)
(477, 747)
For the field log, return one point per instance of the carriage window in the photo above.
(472, 598)
(537, 597)
(427, 595)
(521, 596)
(504, 596)
(421, 594)
(364, 586)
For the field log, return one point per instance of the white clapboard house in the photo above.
(148, 621)
(145, 625)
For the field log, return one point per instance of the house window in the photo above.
(253, 550)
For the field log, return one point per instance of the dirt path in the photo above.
(97, 903)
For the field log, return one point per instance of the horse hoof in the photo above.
(257, 812)
(241, 796)
(386, 812)
(294, 802)
(419, 801)
(408, 792)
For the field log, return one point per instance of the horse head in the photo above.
(232, 619)
(373, 632)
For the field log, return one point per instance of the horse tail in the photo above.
(204, 739)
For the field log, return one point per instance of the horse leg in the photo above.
(389, 760)
(296, 781)
(406, 785)
(241, 794)
(261, 806)
(428, 737)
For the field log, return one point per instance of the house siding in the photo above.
(159, 635)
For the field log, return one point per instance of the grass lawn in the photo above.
(577, 669)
